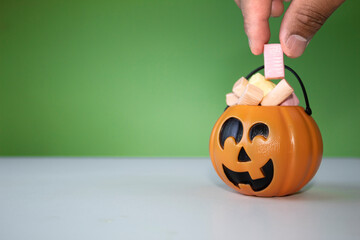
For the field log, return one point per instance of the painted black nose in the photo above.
(243, 157)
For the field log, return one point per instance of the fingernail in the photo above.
(296, 45)
(249, 42)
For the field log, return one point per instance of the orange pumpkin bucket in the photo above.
(266, 150)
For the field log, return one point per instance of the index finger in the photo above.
(256, 15)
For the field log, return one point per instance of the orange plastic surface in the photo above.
(294, 144)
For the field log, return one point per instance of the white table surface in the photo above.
(181, 198)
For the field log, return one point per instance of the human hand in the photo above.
(301, 21)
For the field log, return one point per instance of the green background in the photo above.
(148, 78)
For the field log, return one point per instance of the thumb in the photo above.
(301, 21)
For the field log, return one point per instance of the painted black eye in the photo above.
(231, 128)
(259, 129)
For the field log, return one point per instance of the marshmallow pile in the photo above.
(261, 91)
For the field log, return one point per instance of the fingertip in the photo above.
(258, 36)
(256, 52)
(277, 8)
(256, 23)
(256, 47)
(258, 39)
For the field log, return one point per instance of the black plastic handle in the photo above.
(308, 109)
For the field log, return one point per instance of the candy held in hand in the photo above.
(282, 91)
(252, 95)
(274, 61)
(265, 85)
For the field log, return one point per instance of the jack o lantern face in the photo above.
(233, 127)
(265, 151)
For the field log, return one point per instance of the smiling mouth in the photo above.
(244, 177)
